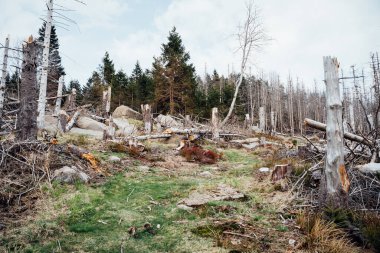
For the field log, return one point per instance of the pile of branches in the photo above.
(23, 165)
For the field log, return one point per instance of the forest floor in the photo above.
(136, 208)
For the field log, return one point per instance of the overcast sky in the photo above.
(130, 30)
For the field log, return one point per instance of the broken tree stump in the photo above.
(335, 183)
(147, 117)
(215, 123)
(27, 116)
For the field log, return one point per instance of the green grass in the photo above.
(86, 218)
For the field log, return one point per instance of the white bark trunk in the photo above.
(58, 102)
(335, 173)
(262, 118)
(3, 77)
(352, 117)
(147, 117)
(45, 66)
(215, 123)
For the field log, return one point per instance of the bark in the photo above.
(27, 116)
(349, 136)
(215, 123)
(147, 117)
(58, 102)
(45, 66)
(262, 118)
(334, 189)
(3, 77)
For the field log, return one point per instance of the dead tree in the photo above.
(147, 117)
(45, 66)
(251, 37)
(59, 95)
(335, 183)
(106, 102)
(215, 123)
(3, 77)
(27, 115)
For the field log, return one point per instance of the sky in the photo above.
(302, 33)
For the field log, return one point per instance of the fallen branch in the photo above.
(352, 137)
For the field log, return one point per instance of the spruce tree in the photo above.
(55, 66)
(174, 77)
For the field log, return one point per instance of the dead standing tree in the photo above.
(335, 183)
(27, 116)
(251, 37)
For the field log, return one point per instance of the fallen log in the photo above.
(349, 136)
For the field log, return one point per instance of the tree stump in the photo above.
(27, 116)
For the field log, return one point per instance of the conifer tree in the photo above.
(55, 65)
(174, 77)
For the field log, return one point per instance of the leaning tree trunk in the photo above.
(27, 115)
(335, 183)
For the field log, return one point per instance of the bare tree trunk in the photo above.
(147, 116)
(45, 66)
(335, 183)
(251, 36)
(72, 101)
(262, 118)
(215, 123)
(58, 102)
(3, 77)
(27, 115)
(106, 102)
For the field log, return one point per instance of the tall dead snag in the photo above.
(58, 102)
(45, 66)
(215, 123)
(72, 100)
(27, 115)
(147, 117)
(335, 183)
(251, 37)
(3, 78)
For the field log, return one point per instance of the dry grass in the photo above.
(323, 236)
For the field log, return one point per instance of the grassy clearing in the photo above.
(85, 218)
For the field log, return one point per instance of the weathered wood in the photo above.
(215, 123)
(147, 117)
(349, 136)
(187, 121)
(45, 66)
(335, 185)
(262, 118)
(27, 116)
(3, 78)
(72, 121)
(109, 131)
(72, 100)
(63, 118)
(58, 102)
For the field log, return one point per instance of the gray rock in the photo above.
(167, 121)
(114, 159)
(126, 112)
(90, 124)
(264, 170)
(70, 175)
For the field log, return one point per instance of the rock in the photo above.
(167, 121)
(114, 159)
(206, 174)
(124, 128)
(90, 124)
(88, 133)
(264, 170)
(292, 242)
(185, 207)
(370, 168)
(143, 169)
(70, 175)
(126, 112)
